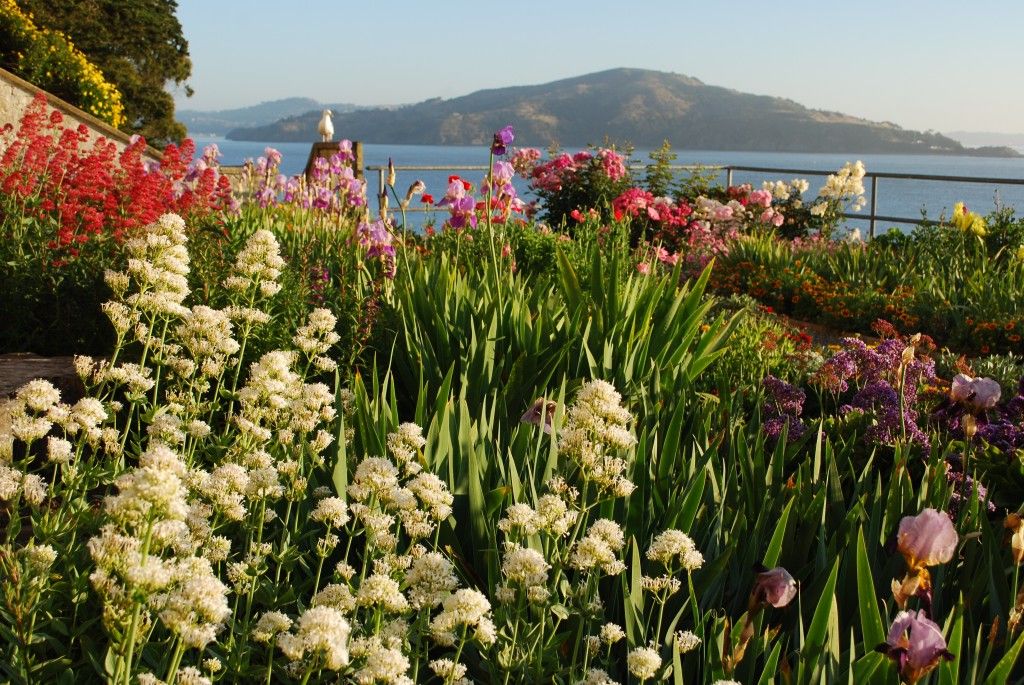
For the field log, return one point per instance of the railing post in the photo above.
(728, 177)
(874, 205)
(357, 158)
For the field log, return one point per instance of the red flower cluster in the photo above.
(50, 174)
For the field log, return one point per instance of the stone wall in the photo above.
(16, 93)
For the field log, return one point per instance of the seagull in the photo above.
(325, 127)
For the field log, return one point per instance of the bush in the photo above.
(65, 208)
(49, 60)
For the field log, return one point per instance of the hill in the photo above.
(220, 122)
(637, 106)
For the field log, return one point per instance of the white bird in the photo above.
(325, 127)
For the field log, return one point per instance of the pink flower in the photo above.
(977, 393)
(775, 586)
(760, 197)
(916, 644)
(541, 409)
(927, 539)
(644, 267)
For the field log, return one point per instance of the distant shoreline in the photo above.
(999, 152)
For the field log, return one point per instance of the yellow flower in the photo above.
(968, 221)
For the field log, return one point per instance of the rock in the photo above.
(19, 368)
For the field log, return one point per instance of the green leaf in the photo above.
(1001, 673)
(871, 626)
(771, 555)
(815, 639)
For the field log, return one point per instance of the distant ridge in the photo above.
(221, 121)
(637, 106)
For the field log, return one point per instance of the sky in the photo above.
(923, 64)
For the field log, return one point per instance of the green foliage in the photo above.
(49, 60)
(658, 176)
(139, 46)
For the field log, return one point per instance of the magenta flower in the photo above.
(775, 587)
(977, 393)
(541, 411)
(502, 139)
(916, 644)
(927, 539)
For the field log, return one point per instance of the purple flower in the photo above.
(502, 139)
(962, 487)
(782, 406)
(916, 644)
(775, 587)
(927, 539)
(977, 393)
(541, 413)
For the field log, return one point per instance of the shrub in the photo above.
(50, 61)
(66, 206)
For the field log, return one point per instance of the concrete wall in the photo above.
(16, 93)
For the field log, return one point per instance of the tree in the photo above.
(139, 46)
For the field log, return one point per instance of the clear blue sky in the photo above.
(924, 64)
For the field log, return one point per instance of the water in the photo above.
(896, 197)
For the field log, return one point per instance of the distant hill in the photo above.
(978, 138)
(637, 106)
(221, 121)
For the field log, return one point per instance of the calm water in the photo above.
(902, 198)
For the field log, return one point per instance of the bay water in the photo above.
(896, 197)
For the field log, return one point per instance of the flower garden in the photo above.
(582, 439)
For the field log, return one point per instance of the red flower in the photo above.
(576, 215)
(427, 199)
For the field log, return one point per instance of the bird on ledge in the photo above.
(325, 127)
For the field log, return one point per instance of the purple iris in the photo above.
(502, 139)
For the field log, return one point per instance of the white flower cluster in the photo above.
(321, 635)
(158, 265)
(257, 267)
(599, 547)
(672, 545)
(643, 662)
(846, 185)
(314, 338)
(595, 433)
(783, 191)
(466, 609)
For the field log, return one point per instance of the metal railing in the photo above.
(872, 217)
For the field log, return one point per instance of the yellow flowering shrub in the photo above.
(49, 60)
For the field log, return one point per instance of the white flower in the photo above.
(321, 632)
(198, 607)
(520, 518)
(525, 566)
(382, 664)
(332, 511)
(597, 676)
(611, 633)
(336, 596)
(670, 545)
(465, 608)
(378, 590)
(38, 395)
(643, 662)
(58, 450)
(270, 624)
(448, 669)
(431, 579)
(190, 675)
(686, 641)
